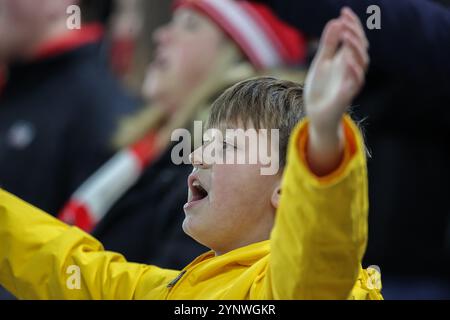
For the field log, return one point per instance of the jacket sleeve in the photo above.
(40, 258)
(413, 42)
(320, 231)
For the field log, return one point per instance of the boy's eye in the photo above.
(226, 145)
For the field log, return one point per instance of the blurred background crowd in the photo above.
(86, 116)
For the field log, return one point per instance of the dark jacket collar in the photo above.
(75, 43)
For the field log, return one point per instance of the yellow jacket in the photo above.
(314, 252)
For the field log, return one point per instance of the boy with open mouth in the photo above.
(298, 234)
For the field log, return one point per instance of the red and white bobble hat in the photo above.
(266, 40)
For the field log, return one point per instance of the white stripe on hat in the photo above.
(260, 46)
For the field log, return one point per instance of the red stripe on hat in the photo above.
(263, 23)
(289, 41)
(228, 27)
(234, 32)
(256, 15)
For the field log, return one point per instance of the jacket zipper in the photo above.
(175, 281)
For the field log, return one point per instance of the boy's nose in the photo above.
(196, 158)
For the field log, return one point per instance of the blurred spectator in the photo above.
(406, 102)
(59, 104)
(205, 48)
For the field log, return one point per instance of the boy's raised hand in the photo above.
(336, 76)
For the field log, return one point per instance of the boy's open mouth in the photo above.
(197, 192)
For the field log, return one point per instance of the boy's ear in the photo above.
(276, 195)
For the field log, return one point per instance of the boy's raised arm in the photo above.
(336, 76)
(320, 231)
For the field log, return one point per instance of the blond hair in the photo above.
(263, 103)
